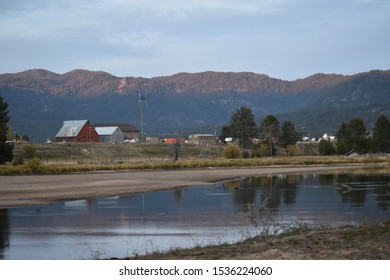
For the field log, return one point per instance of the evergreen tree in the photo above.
(326, 148)
(359, 135)
(5, 149)
(288, 135)
(243, 126)
(381, 134)
(270, 130)
(354, 135)
(225, 133)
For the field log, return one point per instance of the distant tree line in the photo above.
(352, 136)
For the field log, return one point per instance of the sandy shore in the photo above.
(37, 190)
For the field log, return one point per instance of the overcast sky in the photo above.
(286, 39)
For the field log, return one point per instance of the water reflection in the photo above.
(4, 231)
(185, 217)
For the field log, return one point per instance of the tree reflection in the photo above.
(276, 189)
(178, 194)
(4, 231)
(326, 179)
(348, 191)
(244, 191)
(279, 188)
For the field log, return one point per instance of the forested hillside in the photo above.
(39, 100)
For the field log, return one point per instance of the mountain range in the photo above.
(40, 100)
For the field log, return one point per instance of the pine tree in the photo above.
(243, 126)
(354, 135)
(381, 134)
(5, 149)
(288, 135)
(270, 131)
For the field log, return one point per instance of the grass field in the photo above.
(65, 158)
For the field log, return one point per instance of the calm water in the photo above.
(121, 226)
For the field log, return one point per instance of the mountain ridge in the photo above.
(40, 100)
(87, 83)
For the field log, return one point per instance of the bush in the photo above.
(326, 148)
(30, 151)
(35, 165)
(18, 160)
(232, 151)
(292, 150)
(246, 154)
(342, 148)
(264, 150)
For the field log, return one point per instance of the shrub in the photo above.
(30, 151)
(246, 154)
(232, 151)
(35, 165)
(18, 160)
(292, 150)
(326, 148)
(342, 148)
(264, 150)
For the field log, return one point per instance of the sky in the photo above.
(285, 39)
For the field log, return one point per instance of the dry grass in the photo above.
(67, 158)
(363, 242)
(58, 168)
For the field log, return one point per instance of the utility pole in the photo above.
(142, 99)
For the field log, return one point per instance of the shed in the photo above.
(110, 134)
(202, 139)
(129, 130)
(80, 131)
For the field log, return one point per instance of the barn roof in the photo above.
(71, 128)
(123, 126)
(107, 130)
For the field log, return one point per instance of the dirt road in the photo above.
(42, 189)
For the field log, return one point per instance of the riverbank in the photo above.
(369, 241)
(362, 242)
(37, 166)
(25, 190)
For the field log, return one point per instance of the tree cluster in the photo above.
(354, 136)
(243, 128)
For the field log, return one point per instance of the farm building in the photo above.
(77, 131)
(202, 139)
(110, 134)
(173, 140)
(129, 130)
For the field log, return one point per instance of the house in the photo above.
(129, 130)
(329, 138)
(80, 131)
(110, 134)
(202, 139)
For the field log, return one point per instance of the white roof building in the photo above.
(110, 134)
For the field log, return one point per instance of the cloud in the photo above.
(282, 38)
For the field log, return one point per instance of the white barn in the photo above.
(110, 134)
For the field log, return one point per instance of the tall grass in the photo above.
(35, 167)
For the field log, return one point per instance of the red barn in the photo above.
(77, 131)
